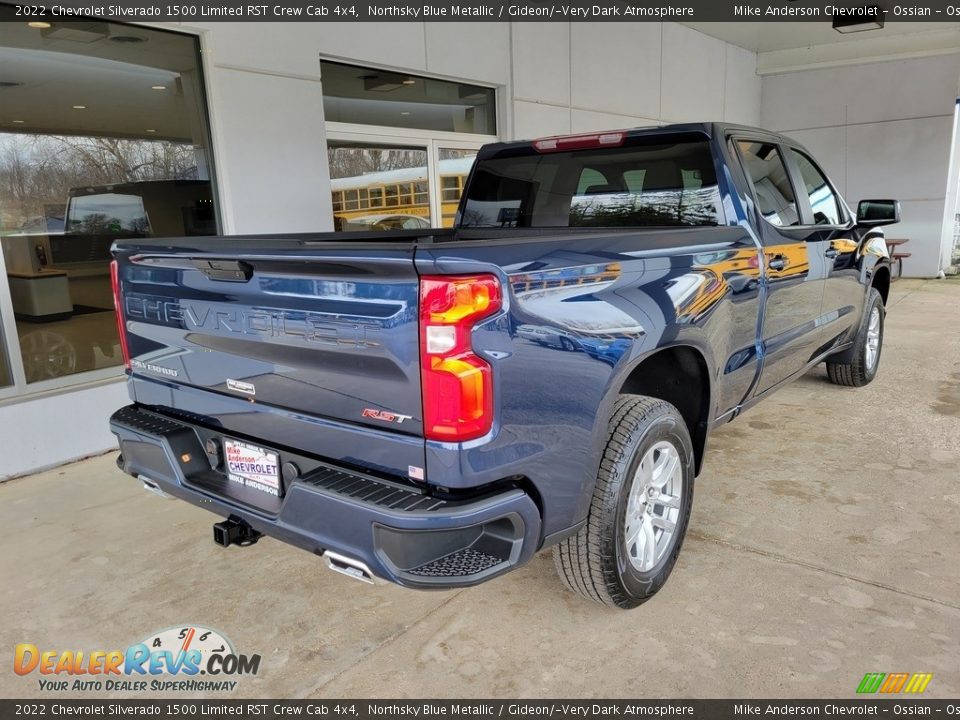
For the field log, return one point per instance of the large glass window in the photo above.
(771, 184)
(367, 96)
(379, 187)
(102, 136)
(826, 209)
(454, 166)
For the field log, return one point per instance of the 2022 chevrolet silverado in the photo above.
(432, 407)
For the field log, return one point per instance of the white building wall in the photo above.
(880, 130)
(581, 77)
(266, 114)
(45, 431)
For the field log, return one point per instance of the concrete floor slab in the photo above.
(824, 544)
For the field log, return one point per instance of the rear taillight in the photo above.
(118, 307)
(457, 384)
(579, 142)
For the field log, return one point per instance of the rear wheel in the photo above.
(858, 366)
(640, 508)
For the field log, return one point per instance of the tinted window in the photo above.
(371, 96)
(826, 210)
(107, 213)
(771, 185)
(672, 184)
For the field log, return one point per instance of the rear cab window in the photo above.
(771, 182)
(648, 181)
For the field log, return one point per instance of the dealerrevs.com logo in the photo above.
(185, 658)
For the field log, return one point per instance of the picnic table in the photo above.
(896, 256)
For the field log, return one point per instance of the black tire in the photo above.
(851, 367)
(594, 562)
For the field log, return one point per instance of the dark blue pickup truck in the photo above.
(432, 407)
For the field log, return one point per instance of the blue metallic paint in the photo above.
(583, 309)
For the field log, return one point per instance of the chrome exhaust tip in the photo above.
(350, 567)
(152, 486)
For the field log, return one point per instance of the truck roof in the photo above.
(708, 129)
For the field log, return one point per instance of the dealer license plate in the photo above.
(252, 466)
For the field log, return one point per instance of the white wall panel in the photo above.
(293, 48)
(582, 121)
(479, 51)
(692, 86)
(742, 86)
(615, 67)
(906, 159)
(904, 89)
(271, 152)
(803, 100)
(55, 429)
(532, 120)
(541, 62)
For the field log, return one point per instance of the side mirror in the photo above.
(873, 213)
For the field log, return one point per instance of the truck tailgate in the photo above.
(314, 333)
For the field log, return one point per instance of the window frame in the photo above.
(794, 168)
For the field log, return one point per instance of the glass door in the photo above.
(452, 167)
(378, 185)
(410, 180)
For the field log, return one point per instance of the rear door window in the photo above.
(642, 184)
(771, 184)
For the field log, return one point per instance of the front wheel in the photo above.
(640, 508)
(858, 366)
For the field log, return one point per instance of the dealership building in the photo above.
(110, 130)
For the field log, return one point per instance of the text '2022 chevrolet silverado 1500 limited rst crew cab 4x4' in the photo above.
(433, 407)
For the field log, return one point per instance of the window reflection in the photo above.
(771, 184)
(378, 187)
(670, 184)
(369, 96)
(100, 141)
(826, 210)
(388, 188)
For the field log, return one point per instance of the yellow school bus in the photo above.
(396, 193)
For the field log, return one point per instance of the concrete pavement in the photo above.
(824, 544)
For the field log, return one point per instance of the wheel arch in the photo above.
(669, 374)
(881, 281)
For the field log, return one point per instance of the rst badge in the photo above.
(241, 386)
(384, 415)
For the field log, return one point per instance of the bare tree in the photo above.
(356, 161)
(38, 171)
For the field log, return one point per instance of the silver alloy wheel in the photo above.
(873, 338)
(653, 506)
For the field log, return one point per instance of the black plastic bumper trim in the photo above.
(400, 532)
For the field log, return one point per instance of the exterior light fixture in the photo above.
(858, 19)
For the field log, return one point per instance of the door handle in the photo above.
(831, 252)
(226, 270)
(777, 262)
